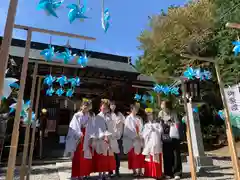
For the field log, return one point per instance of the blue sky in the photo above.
(129, 18)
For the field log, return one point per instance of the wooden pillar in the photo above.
(189, 138)
(34, 128)
(231, 141)
(15, 132)
(28, 127)
(6, 41)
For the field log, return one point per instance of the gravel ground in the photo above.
(62, 171)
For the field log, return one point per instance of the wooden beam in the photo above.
(46, 31)
(15, 132)
(28, 127)
(207, 59)
(6, 42)
(233, 25)
(34, 128)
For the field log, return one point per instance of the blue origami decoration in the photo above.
(49, 80)
(25, 118)
(195, 110)
(8, 83)
(174, 91)
(151, 99)
(66, 56)
(189, 73)
(50, 91)
(145, 98)
(166, 89)
(48, 54)
(62, 80)
(236, 48)
(49, 6)
(69, 92)
(106, 20)
(76, 12)
(60, 92)
(137, 97)
(25, 107)
(221, 114)
(83, 59)
(74, 82)
(192, 74)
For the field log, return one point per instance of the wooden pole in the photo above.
(6, 41)
(231, 141)
(28, 127)
(189, 138)
(15, 132)
(34, 128)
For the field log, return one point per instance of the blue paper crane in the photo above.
(137, 97)
(207, 75)
(199, 74)
(50, 91)
(157, 88)
(221, 114)
(69, 92)
(49, 80)
(166, 90)
(60, 92)
(25, 107)
(105, 20)
(236, 48)
(32, 119)
(76, 12)
(145, 98)
(62, 80)
(189, 73)
(49, 6)
(174, 90)
(48, 54)
(83, 59)
(8, 83)
(74, 82)
(67, 56)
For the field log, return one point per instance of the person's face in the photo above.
(135, 110)
(84, 108)
(163, 105)
(150, 117)
(104, 108)
(113, 107)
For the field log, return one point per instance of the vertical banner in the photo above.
(233, 99)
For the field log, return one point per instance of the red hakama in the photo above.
(103, 163)
(153, 169)
(80, 165)
(135, 161)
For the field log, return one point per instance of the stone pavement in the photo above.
(62, 171)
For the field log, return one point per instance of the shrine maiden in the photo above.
(78, 142)
(152, 151)
(133, 141)
(115, 126)
(103, 143)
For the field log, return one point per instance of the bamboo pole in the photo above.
(6, 42)
(34, 128)
(189, 138)
(231, 141)
(15, 132)
(28, 127)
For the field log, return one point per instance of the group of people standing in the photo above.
(94, 142)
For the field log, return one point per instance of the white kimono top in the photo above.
(117, 124)
(132, 136)
(152, 133)
(103, 141)
(78, 122)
